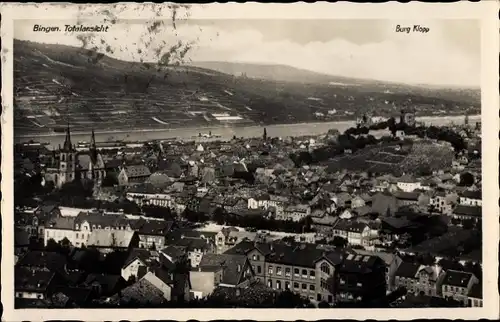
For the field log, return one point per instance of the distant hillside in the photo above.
(292, 74)
(55, 84)
(276, 73)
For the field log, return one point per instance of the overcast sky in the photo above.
(449, 54)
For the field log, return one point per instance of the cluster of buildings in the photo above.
(369, 231)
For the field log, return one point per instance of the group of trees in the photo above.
(356, 138)
(257, 296)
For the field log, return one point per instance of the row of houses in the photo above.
(432, 280)
(94, 228)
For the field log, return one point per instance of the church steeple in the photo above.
(67, 147)
(92, 141)
(93, 147)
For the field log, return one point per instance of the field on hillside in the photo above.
(56, 84)
(387, 158)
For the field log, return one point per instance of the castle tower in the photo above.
(67, 161)
(408, 116)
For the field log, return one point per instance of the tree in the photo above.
(339, 242)
(391, 124)
(65, 242)
(219, 216)
(466, 179)
(110, 180)
(52, 245)
(113, 240)
(468, 224)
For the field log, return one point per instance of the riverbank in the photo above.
(225, 133)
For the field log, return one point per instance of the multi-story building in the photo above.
(419, 279)
(392, 263)
(145, 196)
(457, 285)
(360, 279)
(440, 203)
(354, 232)
(152, 233)
(266, 201)
(467, 212)
(295, 213)
(133, 174)
(408, 184)
(301, 268)
(476, 295)
(60, 228)
(471, 198)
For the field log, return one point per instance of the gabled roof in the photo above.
(350, 226)
(42, 259)
(146, 256)
(106, 238)
(403, 195)
(476, 291)
(98, 219)
(30, 280)
(457, 278)
(477, 194)
(407, 270)
(151, 227)
(473, 211)
(107, 281)
(406, 179)
(232, 264)
(296, 254)
(361, 264)
(137, 171)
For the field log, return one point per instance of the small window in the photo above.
(325, 268)
(304, 286)
(295, 285)
(278, 270)
(296, 271)
(311, 287)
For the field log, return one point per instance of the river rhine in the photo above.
(226, 133)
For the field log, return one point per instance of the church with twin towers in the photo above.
(69, 164)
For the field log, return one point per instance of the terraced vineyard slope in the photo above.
(57, 84)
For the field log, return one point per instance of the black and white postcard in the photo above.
(244, 160)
